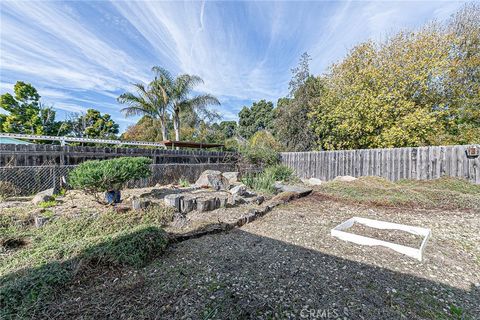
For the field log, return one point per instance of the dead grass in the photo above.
(443, 193)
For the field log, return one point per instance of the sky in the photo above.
(84, 54)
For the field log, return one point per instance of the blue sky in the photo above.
(84, 54)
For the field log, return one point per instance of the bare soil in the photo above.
(394, 236)
(286, 265)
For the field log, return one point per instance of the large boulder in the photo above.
(212, 179)
(345, 178)
(43, 196)
(232, 177)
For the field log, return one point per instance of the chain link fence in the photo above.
(29, 180)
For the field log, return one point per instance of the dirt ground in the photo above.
(286, 265)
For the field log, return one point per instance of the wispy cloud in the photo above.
(84, 54)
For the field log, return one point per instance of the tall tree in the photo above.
(258, 117)
(26, 114)
(179, 96)
(292, 125)
(149, 101)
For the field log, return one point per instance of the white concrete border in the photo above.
(339, 232)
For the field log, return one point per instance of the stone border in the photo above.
(251, 215)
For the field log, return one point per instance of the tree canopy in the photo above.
(26, 114)
(255, 118)
(416, 88)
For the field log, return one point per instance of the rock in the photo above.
(221, 201)
(212, 179)
(173, 200)
(259, 200)
(313, 182)
(345, 178)
(187, 204)
(206, 204)
(45, 195)
(232, 177)
(140, 204)
(40, 221)
(300, 190)
(239, 190)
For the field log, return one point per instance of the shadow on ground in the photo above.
(239, 275)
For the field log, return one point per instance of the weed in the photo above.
(183, 183)
(47, 204)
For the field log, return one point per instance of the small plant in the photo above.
(109, 175)
(183, 183)
(7, 189)
(48, 204)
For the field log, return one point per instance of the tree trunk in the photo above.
(176, 125)
(163, 126)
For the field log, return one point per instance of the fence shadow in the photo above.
(240, 275)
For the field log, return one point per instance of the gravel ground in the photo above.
(287, 266)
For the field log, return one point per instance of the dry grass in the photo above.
(443, 193)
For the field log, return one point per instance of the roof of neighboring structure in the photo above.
(191, 144)
(6, 140)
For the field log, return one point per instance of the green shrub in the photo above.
(264, 140)
(259, 156)
(265, 181)
(98, 176)
(280, 173)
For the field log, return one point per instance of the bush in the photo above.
(259, 156)
(264, 140)
(280, 173)
(7, 189)
(98, 176)
(265, 181)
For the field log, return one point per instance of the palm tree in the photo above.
(179, 99)
(150, 101)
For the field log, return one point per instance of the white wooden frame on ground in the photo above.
(339, 232)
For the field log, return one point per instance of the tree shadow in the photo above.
(240, 275)
(24, 293)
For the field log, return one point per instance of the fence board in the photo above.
(419, 163)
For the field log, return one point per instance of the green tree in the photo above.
(416, 88)
(149, 101)
(180, 100)
(26, 114)
(292, 124)
(258, 117)
(93, 124)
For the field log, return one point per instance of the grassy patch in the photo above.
(444, 193)
(36, 263)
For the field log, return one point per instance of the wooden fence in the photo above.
(47, 154)
(419, 163)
